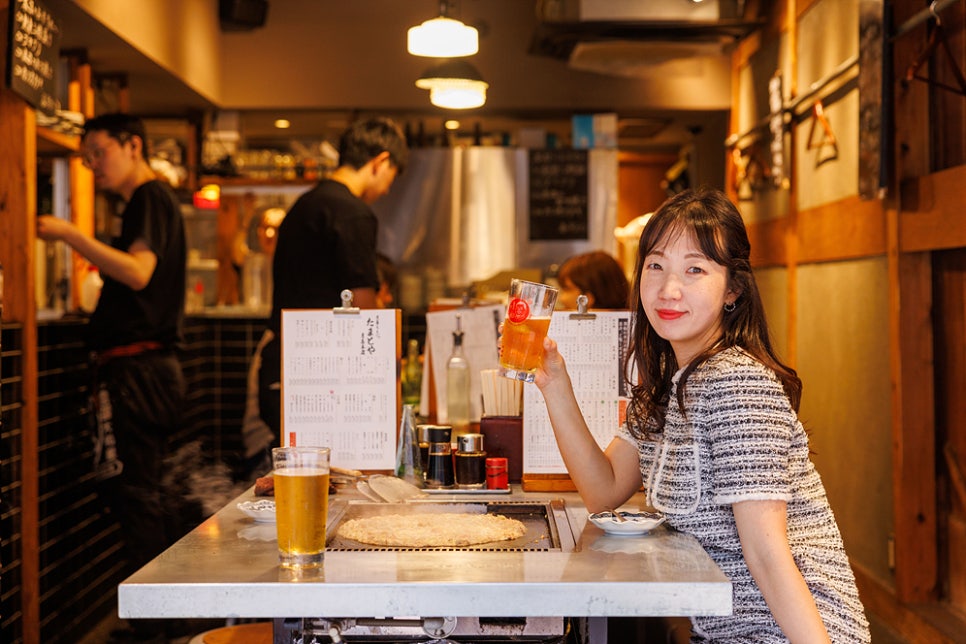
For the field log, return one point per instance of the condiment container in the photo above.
(409, 466)
(458, 385)
(496, 473)
(470, 461)
(439, 468)
(422, 438)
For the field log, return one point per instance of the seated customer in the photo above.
(388, 278)
(598, 276)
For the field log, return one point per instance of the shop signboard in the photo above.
(558, 194)
(33, 52)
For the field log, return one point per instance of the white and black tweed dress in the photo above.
(742, 441)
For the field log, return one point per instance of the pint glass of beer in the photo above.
(528, 312)
(301, 504)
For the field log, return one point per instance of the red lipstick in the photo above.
(669, 314)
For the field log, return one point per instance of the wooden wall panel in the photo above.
(768, 243)
(639, 178)
(848, 228)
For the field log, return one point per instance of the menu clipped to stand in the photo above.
(593, 346)
(339, 384)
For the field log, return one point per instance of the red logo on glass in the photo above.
(518, 310)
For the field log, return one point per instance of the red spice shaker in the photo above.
(496, 474)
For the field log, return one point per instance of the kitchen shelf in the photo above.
(253, 181)
(51, 141)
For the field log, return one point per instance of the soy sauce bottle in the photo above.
(439, 467)
(470, 461)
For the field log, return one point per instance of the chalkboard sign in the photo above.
(558, 194)
(32, 54)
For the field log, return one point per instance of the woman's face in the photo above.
(683, 293)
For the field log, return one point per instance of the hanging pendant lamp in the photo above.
(454, 84)
(443, 37)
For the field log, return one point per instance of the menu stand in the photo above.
(593, 346)
(340, 383)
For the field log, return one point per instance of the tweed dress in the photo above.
(742, 441)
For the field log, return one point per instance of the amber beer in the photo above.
(301, 504)
(528, 312)
(523, 344)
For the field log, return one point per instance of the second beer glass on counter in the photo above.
(301, 504)
(528, 312)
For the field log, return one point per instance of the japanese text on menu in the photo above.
(593, 350)
(339, 384)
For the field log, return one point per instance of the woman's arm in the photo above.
(603, 479)
(764, 543)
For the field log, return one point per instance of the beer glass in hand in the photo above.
(528, 312)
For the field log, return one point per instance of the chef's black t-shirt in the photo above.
(326, 244)
(156, 313)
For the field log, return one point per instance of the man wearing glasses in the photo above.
(138, 386)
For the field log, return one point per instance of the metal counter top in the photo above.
(228, 567)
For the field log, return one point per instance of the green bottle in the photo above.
(412, 375)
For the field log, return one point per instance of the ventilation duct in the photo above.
(634, 38)
(642, 59)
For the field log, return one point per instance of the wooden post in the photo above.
(18, 212)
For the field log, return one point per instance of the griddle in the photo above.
(543, 521)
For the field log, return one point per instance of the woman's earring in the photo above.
(730, 306)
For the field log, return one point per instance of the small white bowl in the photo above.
(262, 510)
(633, 523)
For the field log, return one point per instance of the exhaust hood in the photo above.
(632, 38)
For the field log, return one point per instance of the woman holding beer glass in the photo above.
(713, 435)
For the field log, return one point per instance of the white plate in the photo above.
(262, 510)
(633, 523)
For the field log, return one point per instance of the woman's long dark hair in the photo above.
(719, 231)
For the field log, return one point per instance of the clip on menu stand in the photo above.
(556, 482)
(346, 308)
(340, 382)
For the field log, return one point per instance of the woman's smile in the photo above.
(669, 314)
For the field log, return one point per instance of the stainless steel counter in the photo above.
(228, 567)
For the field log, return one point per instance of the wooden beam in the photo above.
(913, 414)
(846, 229)
(932, 211)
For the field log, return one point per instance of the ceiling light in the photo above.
(443, 37)
(282, 124)
(452, 124)
(454, 84)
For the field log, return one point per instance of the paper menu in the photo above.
(339, 384)
(593, 349)
(479, 324)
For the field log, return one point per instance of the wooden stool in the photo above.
(256, 633)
